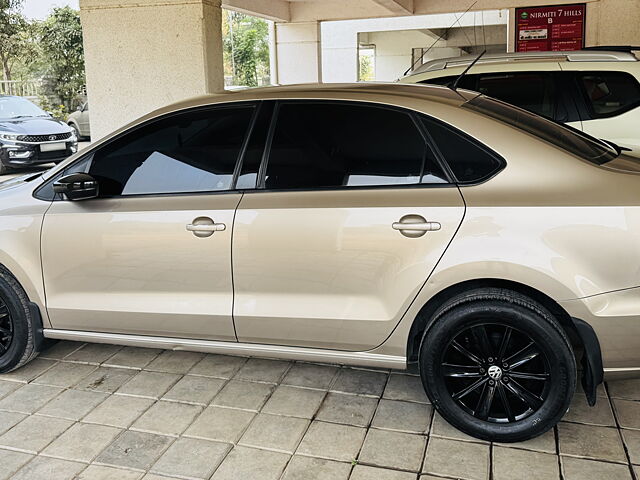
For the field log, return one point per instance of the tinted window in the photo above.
(188, 152)
(336, 145)
(469, 161)
(566, 138)
(531, 91)
(610, 93)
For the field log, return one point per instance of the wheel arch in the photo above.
(581, 335)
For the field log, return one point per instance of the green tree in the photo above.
(60, 40)
(15, 36)
(246, 48)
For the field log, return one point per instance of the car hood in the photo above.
(18, 181)
(34, 126)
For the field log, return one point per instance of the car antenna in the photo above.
(455, 83)
(457, 20)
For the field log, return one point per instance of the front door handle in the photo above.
(414, 226)
(205, 227)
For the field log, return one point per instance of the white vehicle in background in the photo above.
(596, 90)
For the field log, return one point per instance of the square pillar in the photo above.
(298, 51)
(142, 55)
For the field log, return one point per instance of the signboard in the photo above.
(556, 28)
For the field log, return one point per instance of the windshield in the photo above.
(17, 107)
(567, 138)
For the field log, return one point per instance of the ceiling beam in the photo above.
(397, 7)
(276, 10)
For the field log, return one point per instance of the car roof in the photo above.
(509, 57)
(337, 91)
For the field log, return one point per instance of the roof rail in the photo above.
(614, 48)
(588, 55)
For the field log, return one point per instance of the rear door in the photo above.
(352, 213)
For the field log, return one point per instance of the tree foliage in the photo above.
(246, 48)
(16, 37)
(60, 40)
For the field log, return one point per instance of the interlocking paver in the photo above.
(192, 458)
(332, 441)
(49, 468)
(262, 370)
(105, 379)
(514, 464)
(195, 389)
(61, 349)
(451, 458)
(99, 472)
(199, 416)
(244, 463)
(93, 353)
(29, 398)
(11, 461)
(9, 419)
(241, 394)
(133, 357)
(221, 424)
(64, 374)
(34, 433)
(402, 416)
(221, 366)
(348, 409)
(304, 468)
(29, 371)
(119, 411)
(149, 384)
(628, 413)
(294, 401)
(365, 472)
(581, 469)
(82, 442)
(599, 414)
(275, 432)
(405, 387)
(632, 441)
(600, 443)
(73, 404)
(172, 361)
(137, 450)
(398, 450)
(167, 418)
(310, 375)
(363, 382)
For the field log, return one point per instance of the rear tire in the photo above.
(497, 365)
(17, 325)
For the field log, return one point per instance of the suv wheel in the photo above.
(497, 365)
(16, 325)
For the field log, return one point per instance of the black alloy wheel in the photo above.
(6, 327)
(496, 373)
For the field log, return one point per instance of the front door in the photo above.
(354, 213)
(152, 254)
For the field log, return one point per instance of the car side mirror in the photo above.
(79, 108)
(77, 186)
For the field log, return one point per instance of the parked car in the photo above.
(30, 136)
(593, 90)
(79, 121)
(374, 225)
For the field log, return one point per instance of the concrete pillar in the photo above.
(298, 51)
(142, 55)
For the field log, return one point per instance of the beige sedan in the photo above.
(376, 225)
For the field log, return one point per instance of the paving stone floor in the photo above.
(103, 412)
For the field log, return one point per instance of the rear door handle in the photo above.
(205, 227)
(423, 227)
(414, 226)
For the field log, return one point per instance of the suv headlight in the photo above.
(9, 136)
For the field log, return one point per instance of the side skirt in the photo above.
(362, 359)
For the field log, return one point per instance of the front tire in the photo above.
(497, 365)
(17, 325)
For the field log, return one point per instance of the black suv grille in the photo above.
(44, 138)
